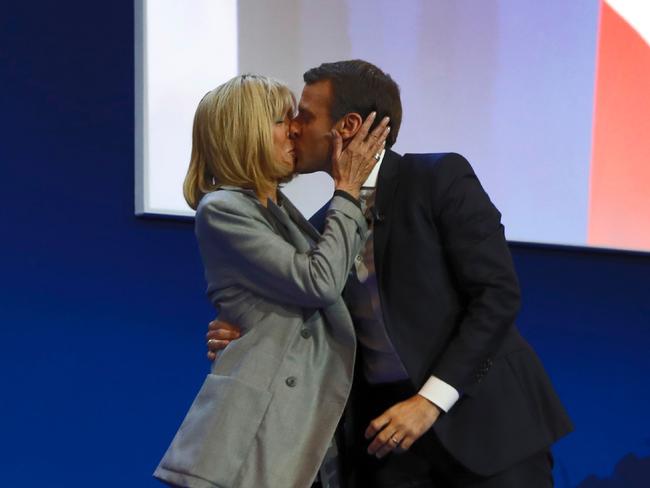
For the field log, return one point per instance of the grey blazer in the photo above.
(266, 414)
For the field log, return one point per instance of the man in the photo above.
(447, 392)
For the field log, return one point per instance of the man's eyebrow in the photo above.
(304, 113)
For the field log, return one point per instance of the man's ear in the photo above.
(349, 125)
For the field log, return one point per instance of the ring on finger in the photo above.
(395, 440)
(378, 156)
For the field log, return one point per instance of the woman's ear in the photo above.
(349, 125)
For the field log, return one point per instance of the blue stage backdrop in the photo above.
(103, 315)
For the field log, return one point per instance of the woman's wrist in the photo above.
(348, 197)
(353, 191)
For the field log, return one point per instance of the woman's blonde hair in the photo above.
(232, 140)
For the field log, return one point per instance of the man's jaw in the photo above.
(300, 169)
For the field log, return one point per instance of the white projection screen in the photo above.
(547, 100)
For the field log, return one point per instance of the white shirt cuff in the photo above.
(442, 394)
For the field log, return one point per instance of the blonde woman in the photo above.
(266, 414)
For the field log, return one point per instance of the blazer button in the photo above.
(305, 333)
(290, 381)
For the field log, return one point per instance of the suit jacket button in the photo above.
(305, 333)
(290, 381)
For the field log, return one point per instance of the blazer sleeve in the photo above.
(481, 265)
(239, 246)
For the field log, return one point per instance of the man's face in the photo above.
(311, 129)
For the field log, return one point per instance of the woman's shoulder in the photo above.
(228, 199)
(230, 211)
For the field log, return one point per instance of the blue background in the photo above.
(103, 314)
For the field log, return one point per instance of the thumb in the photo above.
(337, 145)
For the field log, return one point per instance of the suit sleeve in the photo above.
(481, 265)
(240, 247)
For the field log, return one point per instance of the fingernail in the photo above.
(386, 119)
(373, 114)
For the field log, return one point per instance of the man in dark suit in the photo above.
(447, 392)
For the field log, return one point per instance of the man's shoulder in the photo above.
(441, 167)
(437, 162)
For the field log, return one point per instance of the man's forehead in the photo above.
(316, 96)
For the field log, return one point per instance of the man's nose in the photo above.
(294, 129)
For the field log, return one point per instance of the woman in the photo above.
(266, 414)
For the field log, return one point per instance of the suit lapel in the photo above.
(386, 186)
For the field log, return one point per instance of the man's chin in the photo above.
(307, 171)
(286, 179)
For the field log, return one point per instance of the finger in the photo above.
(406, 443)
(216, 345)
(223, 334)
(337, 145)
(365, 127)
(383, 441)
(377, 444)
(385, 449)
(379, 130)
(376, 425)
(212, 356)
(379, 144)
(217, 324)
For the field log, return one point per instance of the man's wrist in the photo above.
(442, 394)
(426, 400)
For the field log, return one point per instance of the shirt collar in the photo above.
(371, 181)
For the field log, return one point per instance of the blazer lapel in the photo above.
(386, 186)
(299, 219)
(274, 216)
(290, 232)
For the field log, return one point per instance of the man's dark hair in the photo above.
(361, 87)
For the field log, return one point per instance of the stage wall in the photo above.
(103, 316)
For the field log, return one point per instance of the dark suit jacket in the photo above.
(449, 296)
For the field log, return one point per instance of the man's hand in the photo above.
(219, 336)
(401, 425)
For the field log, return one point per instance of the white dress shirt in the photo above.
(435, 390)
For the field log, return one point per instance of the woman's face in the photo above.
(283, 150)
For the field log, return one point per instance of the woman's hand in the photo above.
(352, 166)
